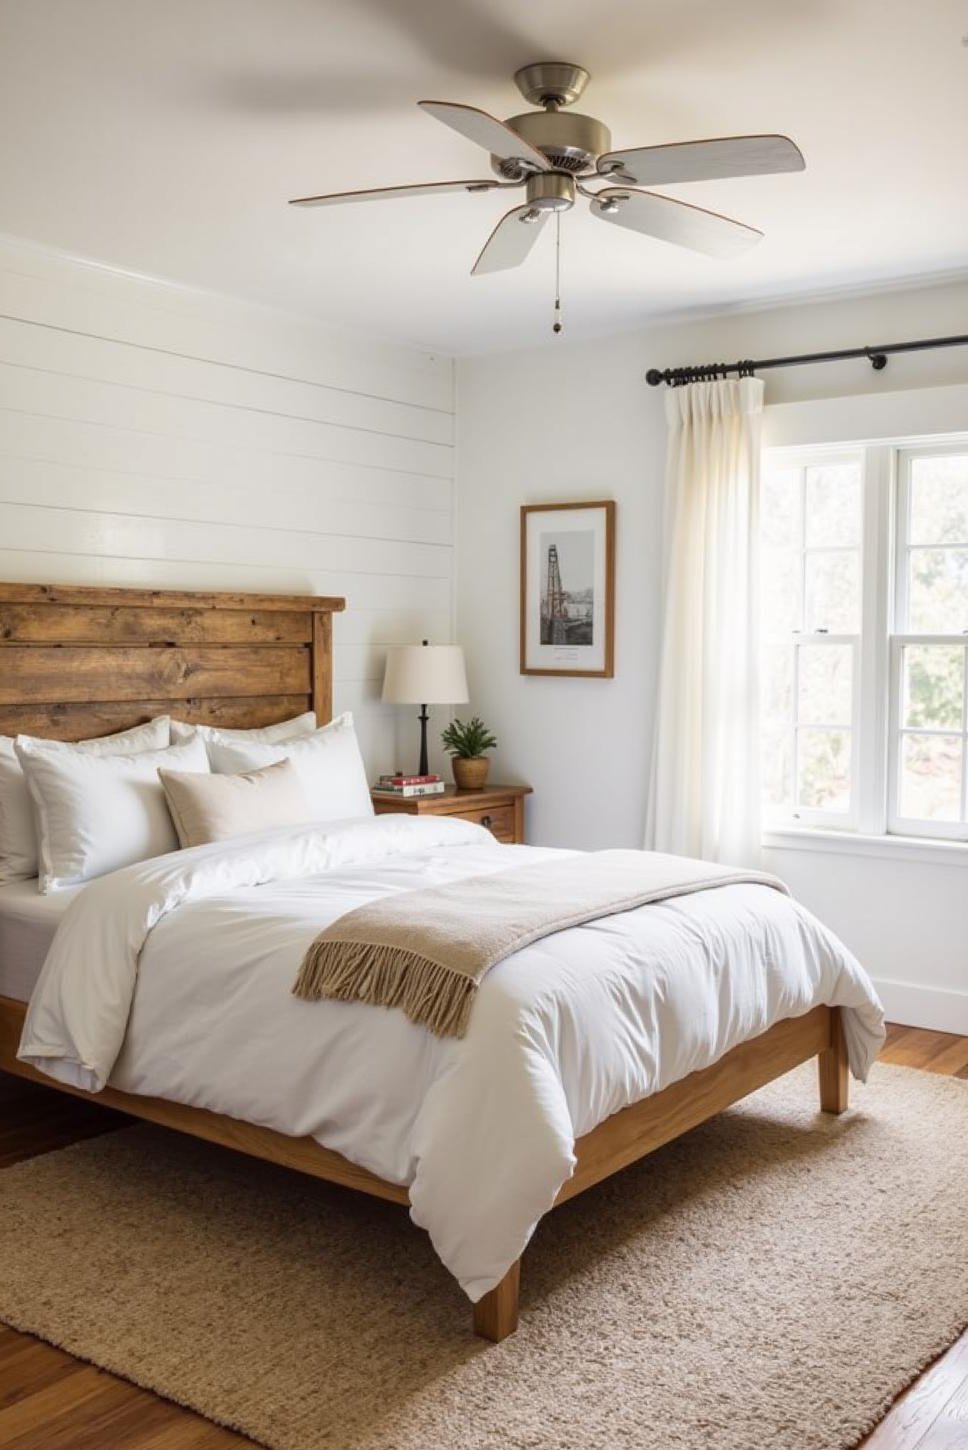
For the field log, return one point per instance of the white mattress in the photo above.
(27, 925)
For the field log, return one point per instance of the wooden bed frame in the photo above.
(78, 662)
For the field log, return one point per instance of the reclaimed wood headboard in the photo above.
(79, 661)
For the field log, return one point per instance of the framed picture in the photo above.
(568, 589)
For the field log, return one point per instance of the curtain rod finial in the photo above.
(654, 377)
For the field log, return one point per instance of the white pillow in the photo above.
(305, 724)
(96, 813)
(328, 763)
(18, 831)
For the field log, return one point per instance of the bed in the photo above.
(78, 662)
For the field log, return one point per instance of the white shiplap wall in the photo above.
(155, 436)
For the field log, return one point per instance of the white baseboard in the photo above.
(918, 1006)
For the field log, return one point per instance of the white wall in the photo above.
(572, 421)
(151, 435)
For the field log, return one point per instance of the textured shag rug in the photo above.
(770, 1281)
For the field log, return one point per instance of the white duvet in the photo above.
(172, 978)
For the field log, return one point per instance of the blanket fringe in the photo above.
(431, 995)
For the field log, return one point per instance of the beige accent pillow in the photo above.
(215, 807)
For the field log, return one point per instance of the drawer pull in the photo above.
(486, 821)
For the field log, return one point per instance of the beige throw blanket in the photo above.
(427, 951)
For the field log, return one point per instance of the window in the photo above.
(865, 638)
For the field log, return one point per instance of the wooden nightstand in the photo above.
(498, 807)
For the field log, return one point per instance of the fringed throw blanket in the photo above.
(427, 951)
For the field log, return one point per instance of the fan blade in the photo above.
(674, 221)
(703, 160)
(423, 188)
(511, 240)
(487, 131)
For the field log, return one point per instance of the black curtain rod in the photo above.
(877, 356)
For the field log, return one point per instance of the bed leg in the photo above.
(496, 1315)
(832, 1067)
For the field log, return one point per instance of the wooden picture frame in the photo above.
(567, 623)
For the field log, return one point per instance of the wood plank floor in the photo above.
(50, 1401)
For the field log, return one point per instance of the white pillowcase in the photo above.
(305, 724)
(18, 831)
(328, 762)
(96, 813)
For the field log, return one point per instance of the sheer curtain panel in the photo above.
(705, 791)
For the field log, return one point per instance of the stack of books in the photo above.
(405, 787)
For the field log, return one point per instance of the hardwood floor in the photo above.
(50, 1401)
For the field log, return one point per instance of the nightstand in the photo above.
(498, 807)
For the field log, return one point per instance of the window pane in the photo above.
(931, 777)
(776, 684)
(823, 760)
(780, 593)
(777, 768)
(824, 684)
(833, 592)
(939, 500)
(833, 504)
(780, 514)
(938, 591)
(934, 685)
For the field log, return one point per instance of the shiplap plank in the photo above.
(56, 485)
(113, 405)
(389, 591)
(67, 530)
(79, 443)
(392, 626)
(60, 353)
(44, 287)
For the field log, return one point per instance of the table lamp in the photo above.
(425, 674)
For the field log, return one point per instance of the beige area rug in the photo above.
(769, 1282)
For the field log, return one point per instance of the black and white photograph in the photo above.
(568, 588)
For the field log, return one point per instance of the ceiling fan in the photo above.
(554, 154)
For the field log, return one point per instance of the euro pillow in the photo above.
(96, 813)
(18, 830)
(216, 807)
(304, 724)
(328, 763)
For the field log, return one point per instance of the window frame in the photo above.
(901, 636)
(802, 458)
(876, 727)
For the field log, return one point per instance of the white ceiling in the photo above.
(164, 136)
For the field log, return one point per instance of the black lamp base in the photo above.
(423, 768)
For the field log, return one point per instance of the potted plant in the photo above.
(466, 745)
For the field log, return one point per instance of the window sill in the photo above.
(851, 843)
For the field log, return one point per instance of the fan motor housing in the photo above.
(572, 142)
(551, 191)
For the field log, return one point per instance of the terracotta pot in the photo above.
(471, 774)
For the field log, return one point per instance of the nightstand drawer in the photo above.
(499, 819)
(498, 808)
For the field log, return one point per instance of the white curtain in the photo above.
(704, 798)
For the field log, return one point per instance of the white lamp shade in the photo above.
(425, 674)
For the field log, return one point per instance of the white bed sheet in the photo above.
(28, 922)
(173, 978)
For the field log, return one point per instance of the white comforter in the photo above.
(172, 978)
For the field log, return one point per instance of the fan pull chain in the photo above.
(556, 328)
